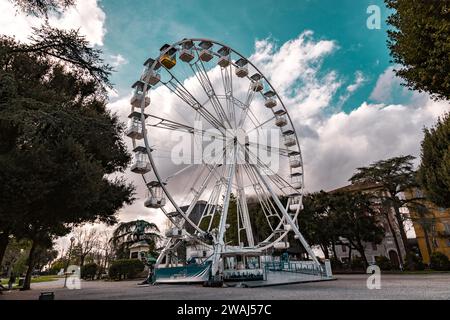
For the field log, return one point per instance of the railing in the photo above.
(304, 267)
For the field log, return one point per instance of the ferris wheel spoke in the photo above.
(212, 171)
(262, 124)
(167, 124)
(242, 199)
(248, 101)
(279, 181)
(227, 81)
(279, 151)
(269, 211)
(287, 217)
(202, 76)
(176, 87)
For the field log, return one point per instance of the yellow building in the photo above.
(432, 226)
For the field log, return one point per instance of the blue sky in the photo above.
(137, 28)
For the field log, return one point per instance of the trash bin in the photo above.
(21, 282)
(47, 296)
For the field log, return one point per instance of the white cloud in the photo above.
(367, 134)
(86, 15)
(387, 85)
(118, 60)
(359, 80)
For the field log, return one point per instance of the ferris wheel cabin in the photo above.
(205, 54)
(139, 95)
(151, 76)
(186, 53)
(168, 56)
(156, 199)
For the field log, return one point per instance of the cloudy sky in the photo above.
(333, 73)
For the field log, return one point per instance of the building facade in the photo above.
(432, 226)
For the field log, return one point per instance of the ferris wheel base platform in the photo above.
(278, 278)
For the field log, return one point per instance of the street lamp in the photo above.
(72, 239)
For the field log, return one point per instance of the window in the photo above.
(374, 246)
(344, 248)
(134, 255)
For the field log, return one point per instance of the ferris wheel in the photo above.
(231, 199)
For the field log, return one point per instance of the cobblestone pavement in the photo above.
(393, 286)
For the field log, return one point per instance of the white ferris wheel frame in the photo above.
(286, 218)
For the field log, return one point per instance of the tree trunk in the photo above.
(427, 241)
(350, 256)
(333, 247)
(27, 282)
(401, 228)
(325, 251)
(362, 252)
(4, 240)
(397, 245)
(82, 258)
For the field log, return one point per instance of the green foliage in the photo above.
(125, 269)
(59, 146)
(336, 264)
(393, 176)
(329, 216)
(420, 43)
(131, 232)
(434, 171)
(357, 263)
(57, 265)
(317, 221)
(384, 263)
(416, 262)
(43, 7)
(439, 261)
(88, 271)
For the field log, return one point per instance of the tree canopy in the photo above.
(420, 42)
(395, 176)
(42, 7)
(434, 170)
(61, 149)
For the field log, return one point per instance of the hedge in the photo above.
(125, 269)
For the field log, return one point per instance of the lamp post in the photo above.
(72, 239)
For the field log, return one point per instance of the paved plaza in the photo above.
(348, 287)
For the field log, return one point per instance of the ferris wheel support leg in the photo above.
(244, 208)
(289, 219)
(163, 253)
(220, 244)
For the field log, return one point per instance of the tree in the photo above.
(131, 232)
(60, 146)
(45, 256)
(420, 43)
(317, 222)
(86, 241)
(434, 170)
(395, 176)
(355, 220)
(43, 7)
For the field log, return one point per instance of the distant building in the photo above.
(139, 249)
(432, 226)
(391, 246)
